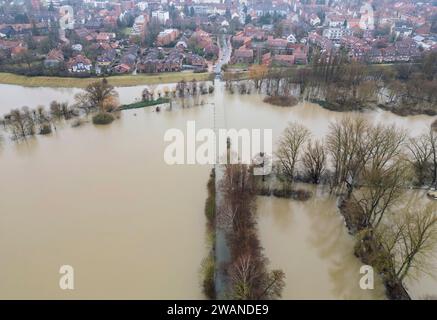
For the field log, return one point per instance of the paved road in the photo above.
(225, 53)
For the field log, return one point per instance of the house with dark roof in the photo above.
(106, 58)
(243, 55)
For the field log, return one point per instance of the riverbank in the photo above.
(370, 251)
(116, 81)
(208, 266)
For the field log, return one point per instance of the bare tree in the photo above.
(289, 149)
(421, 151)
(62, 110)
(146, 94)
(382, 187)
(251, 281)
(346, 144)
(243, 274)
(409, 240)
(20, 123)
(248, 274)
(432, 137)
(314, 160)
(43, 120)
(384, 173)
(181, 87)
(274, 283)
(384, 144)
(99, 94)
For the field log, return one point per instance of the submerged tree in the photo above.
(346, 144)
(43, 120)
(62, 110)
(314, 160)
(432, 137)
(99, 94)
(382, 187)
(248, 274)
(20, 123)
(409, 239)
(420, 156)
(289, 149)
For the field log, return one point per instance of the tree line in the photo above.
(99, 98)
(371, 167)
(337, 83)
(247, 271)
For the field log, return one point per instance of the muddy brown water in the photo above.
(102, 200)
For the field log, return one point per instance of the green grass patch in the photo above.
(117, 80)
(145, 103)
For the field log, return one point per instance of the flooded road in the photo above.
(104, 201)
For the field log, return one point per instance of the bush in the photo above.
(282, 101)
(103, 118)
(210, 201)
(207, 270)
(295, 194)
(45, 129)
(353, 215)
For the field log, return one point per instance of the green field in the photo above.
(117, 81)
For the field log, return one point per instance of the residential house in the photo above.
(402, 29)
(300, 53)
(336, 33)
(277, 46)
(283, 60)
(158, 60)
(315, 20)
(323, 43)
(243, 55)
(167, 37)
(79, 64)
(54, 58)
(106, 58)
(161, 16)
(196, 61)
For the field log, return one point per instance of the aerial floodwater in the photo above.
(103, 200)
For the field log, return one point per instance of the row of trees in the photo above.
(24, 122)
(209, 264)
(248, 275)
(357, 151)
(183, 89)
(371, 167)
(186, 93)
(340, 84)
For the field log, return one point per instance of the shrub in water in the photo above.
(45, 129)
(77, 123)
(103, 118)
(282, 101)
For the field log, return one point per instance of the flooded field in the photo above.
(104, 201)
